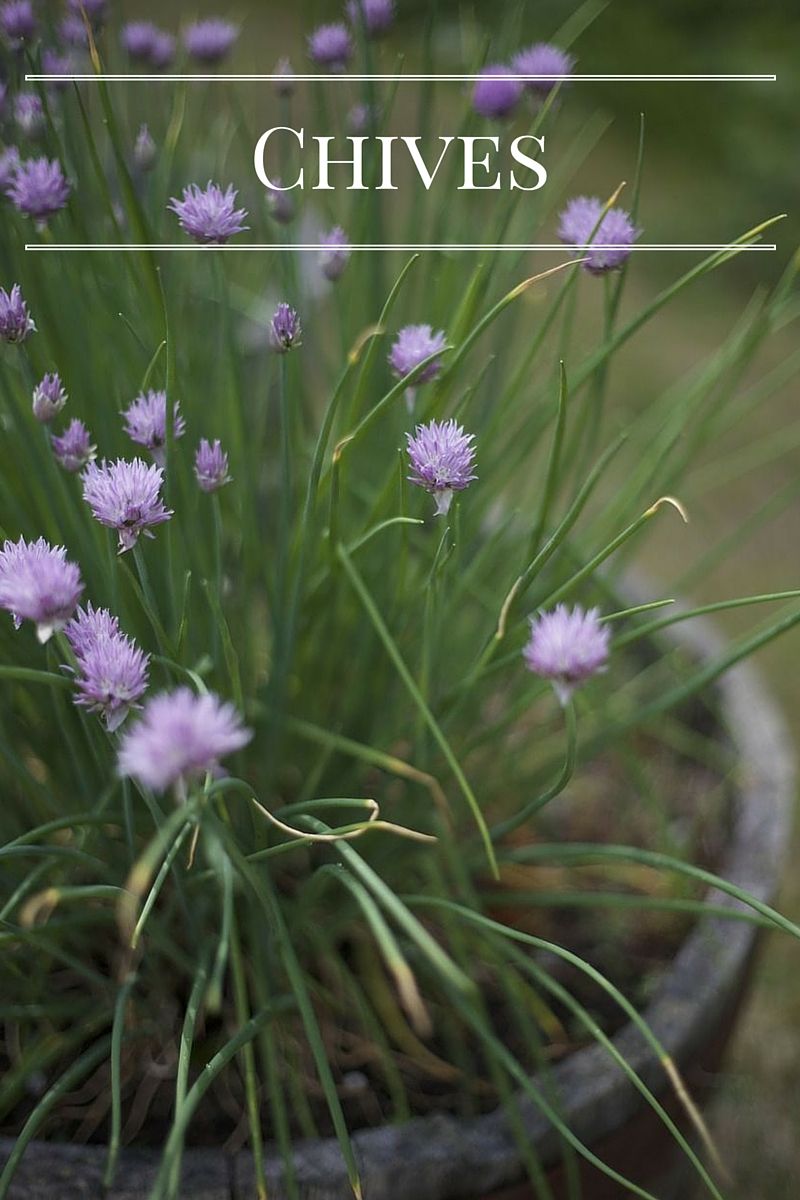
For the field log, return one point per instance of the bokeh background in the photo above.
(719, 158)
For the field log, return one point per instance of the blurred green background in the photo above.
(719, 158)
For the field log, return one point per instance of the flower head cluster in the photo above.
(39, 188)
(94, 9)
(582, 224)
(442, 457)
(334, 258)
(567, 647)
(73, 448)
(363, 117)
(180, 737)
(284, 86)
(72, 30)
(54, 63)
(210, 40)
(413, 344)
(146, 423)
(125, 496)
(209, 215)
(16, 323)
(331, 46)
(87, 626)
(285, 330)
(145, 42)
(48, 398)
(144, 150)
(38, 584)
(17, 22)
(280, 205)
(9, 161)
(29, 114)
(376, 16)
(211, 465)
(111, 670)
(542, 59)
(162, 51)
(495, 95)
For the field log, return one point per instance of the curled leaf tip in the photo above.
(339, 447)
(615, 195)
(37, 910)
(527, 283)
(371, 331)
(676, 504)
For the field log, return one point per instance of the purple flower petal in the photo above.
(38, 584)
(125, 496)
(567, 647)
(442, 457)
(209, 215)
(180, 737)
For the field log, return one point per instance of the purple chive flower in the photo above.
(17, 22)
(137, 38)
(496, 97)
(145, 151)
(285, 85)
(162, 52)
(95, 9)
(179, 737)
(3, 97)
(284, 329)
(542, 59)
(442, 457)
(145, 42)
(48, 399)
(125, 496)
(580, 225)
(360, 117)
(38, 584)
(330, 46)
(210, 40)
(73, 31)
(29, 114)
(334, 258)
(211, 465)
(146, 423)
(280, 204)
(74, 449)
(15, 320)
(413, 344)
(209, 216)
(9, 161)
(54, 63)
(567, 647)
(112, 671)
(87, 626)
(113, 676)
(39, 188)
(376, 16)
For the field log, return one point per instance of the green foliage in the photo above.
(374, 649)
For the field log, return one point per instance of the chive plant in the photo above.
(313, 569)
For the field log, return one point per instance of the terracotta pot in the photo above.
(442, 1158)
